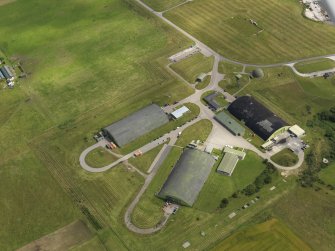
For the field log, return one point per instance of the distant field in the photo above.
(161, 5)
(315, 65)
(328, 174)
(219, 186)
(225, 26)
(270, 235)
(191, 67)
(70, 235)
(93, 244)
(310, 215)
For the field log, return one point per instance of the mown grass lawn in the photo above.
(225, 26)
(85, 70)
(144, 162)
(191, 67)
(100, 157)
(285, 158)
(161, 5)
(198, 131)
(315, 65)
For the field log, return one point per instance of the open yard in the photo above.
(225, 26)
(315, 65)
(270, 235)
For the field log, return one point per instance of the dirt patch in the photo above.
(62, 239)
(4, 2)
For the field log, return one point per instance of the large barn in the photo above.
(187, 177)
(256, 116)
(135, 125)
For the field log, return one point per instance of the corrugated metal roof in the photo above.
(180, 112)
(228, 163)
(238, 153)
(228, 122)
(137, 124)
(187, 177)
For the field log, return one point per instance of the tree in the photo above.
(250, 190)
(224, 203)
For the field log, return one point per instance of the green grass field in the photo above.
(74, 88)
(87, 69)
(100, 157)
(161, 5)
(285, 158)
(219, 186)
(191, 67)
(224, 25)
(143, 162)
(328, 174)
(310, 215)
(270, 235)
(198, 131)
(315, 65)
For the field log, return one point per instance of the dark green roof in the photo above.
(137, 124)
(231, 124)
(187, 177)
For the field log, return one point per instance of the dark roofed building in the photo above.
(210, 100)
(135, 125)
(257, 117)
(7, 72)
(187, 177)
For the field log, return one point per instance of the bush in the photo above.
(224, 203)
(250, 190)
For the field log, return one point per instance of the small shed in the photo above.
(179, 112)
(201, 77)
(297, 131)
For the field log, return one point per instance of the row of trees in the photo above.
(261, 180)
(326, 122)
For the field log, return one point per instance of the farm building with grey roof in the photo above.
(187, 177)
(135, 125)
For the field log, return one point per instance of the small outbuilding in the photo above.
(210, 100)
(229, 123)
(297, 131)
(179, 112)
(201, 77)
(229, 161)
(257, 73)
